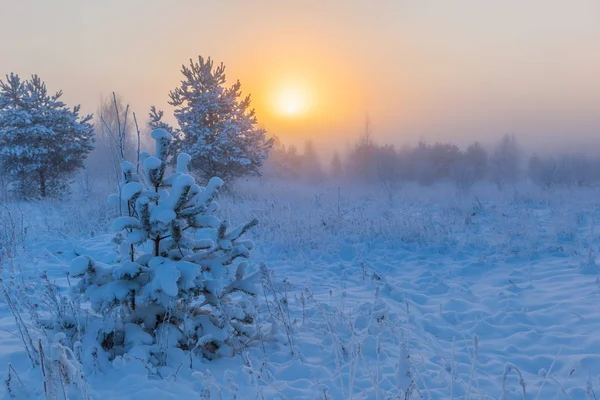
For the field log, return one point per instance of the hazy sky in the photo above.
(422, 69)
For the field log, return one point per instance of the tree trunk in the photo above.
(157, 246)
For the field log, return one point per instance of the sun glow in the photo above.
(291, 99)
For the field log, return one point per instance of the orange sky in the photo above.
(422, 69)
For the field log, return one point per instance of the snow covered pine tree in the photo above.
(172, 288)
(42, 141)
(217, 127)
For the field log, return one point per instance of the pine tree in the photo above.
(42, 141)
(175, 277)
(217, 127)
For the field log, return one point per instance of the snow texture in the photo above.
(431, 296)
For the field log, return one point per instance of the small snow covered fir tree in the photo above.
(42, 141)
(179, 282)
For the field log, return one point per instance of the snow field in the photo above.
(370, 296)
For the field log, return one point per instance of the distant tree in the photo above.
(420, 164)
(312, 170)
(294, 161)
(42, 142)
(477, 158)
(542, 171)
(360, 163)
(463, 174)
(276, 163)
(561, 170)
(217, 127)
(116, 139)
(116, 126)
(584, 169)
(336, 168)
(504, 163)
(387, 165)
(285, 161)
(404, 162)
(443, 156)
(469, 167)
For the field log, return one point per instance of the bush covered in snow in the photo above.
(179, 282)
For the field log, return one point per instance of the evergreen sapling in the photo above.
(173, 286)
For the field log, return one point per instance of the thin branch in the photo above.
(137, 129)
(124, 136)
(109, 130)
(118, 124)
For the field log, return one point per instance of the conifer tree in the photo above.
(42, 141)
(217, 127)
(175, 276)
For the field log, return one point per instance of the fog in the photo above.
(459, 71)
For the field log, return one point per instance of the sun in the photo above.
(291, 99)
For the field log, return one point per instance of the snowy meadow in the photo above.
(365, 293)
(308, 200)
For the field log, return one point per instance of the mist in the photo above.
(459, 71)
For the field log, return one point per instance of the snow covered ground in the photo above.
(374, 294)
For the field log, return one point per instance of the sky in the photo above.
(444, 70)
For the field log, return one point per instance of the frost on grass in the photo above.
(180, 282)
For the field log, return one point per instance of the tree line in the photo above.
(504, 163)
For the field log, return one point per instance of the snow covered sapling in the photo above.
(173, 286)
